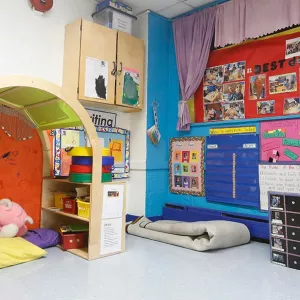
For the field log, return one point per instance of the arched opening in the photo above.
(46, 106)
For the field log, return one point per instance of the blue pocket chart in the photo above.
(232, 169)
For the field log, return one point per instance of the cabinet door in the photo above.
(97, 58)
(130, 76)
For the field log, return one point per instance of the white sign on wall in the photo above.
(102, 118)
(278, 178)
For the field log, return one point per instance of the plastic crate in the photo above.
(73, 240)
(114, 19)
(70, 206)
(114, 4)
(83, 209)
(58, 200)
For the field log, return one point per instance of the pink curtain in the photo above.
(193, 37)
(239, 20)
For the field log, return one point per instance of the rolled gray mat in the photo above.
(198, 236)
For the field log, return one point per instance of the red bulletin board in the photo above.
(21, 173)
(264, 58)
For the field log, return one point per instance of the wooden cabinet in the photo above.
(103, 66)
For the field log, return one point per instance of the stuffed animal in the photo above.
(12, 219)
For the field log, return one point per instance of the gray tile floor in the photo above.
(151, 271)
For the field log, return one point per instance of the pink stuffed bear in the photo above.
(12, 219)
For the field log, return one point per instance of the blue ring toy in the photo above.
(82, 160)
(88, 161)
(108, 160)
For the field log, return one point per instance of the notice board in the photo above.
(252, 80)
(277, 178)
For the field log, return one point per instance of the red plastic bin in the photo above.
(73, 240)
(70, 206)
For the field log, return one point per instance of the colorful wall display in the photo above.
(280, 139)
(186, 166)
(253, 80)
(116, 139)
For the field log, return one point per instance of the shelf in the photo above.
(59, 212)
(65, 180)
(84, 253)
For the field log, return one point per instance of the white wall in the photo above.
(33, 45)
(138, 124)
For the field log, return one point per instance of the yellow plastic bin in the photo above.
(81, 151)
(83, 209)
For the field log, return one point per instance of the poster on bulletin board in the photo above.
(186, 166)
(116, 139)
(280, 141)
(252, 80)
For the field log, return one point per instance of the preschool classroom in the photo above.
(150, 149)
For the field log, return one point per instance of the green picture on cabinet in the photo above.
(131, 87)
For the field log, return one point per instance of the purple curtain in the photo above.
(239, 20)
(193, 37)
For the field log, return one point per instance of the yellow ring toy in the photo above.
(80, 151)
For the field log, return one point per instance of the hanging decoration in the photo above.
(15, 125)
(153, 132)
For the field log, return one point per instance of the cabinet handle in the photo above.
(114, 71)
(120, 71)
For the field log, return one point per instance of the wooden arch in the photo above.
(19, 82)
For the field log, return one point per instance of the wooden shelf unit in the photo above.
(52, 218)
(59, 212)
(84, 253)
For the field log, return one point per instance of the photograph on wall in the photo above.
(187, 176)
(265, 107)
(212, 93)
(257, 87)
(234, 91)
(234, 110)
(213, 112)
(234, 71)
(96, 78)
(291, 106)
(214, 76)
(131, 87)
(292, 48)
(284, 83)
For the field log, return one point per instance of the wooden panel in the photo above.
(71, 58)
(98, 42)
(131, 54)
(96, 223)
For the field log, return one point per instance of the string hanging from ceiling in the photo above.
(15, 124)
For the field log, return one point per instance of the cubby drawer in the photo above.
(293, 233)
(294, 262)
(293, 247)
(293, 219)
(278, 217)
(278, 231)
(279, 258)
(279, 244)
(292, 204)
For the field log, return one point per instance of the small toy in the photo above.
(12, 219)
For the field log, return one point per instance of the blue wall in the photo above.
(158, 90)
(163, 86)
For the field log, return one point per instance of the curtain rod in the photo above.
(208, 5)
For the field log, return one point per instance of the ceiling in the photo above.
(167, 8)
